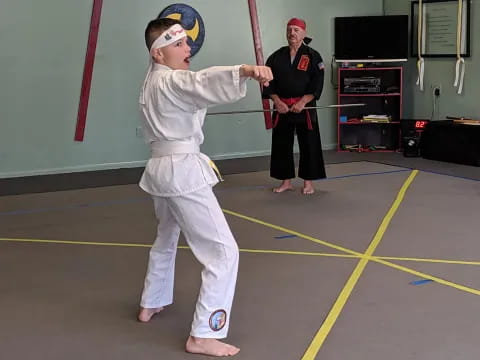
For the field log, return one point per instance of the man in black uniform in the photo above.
(298, 74)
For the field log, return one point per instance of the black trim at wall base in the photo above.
(89, 179)
(70, 181)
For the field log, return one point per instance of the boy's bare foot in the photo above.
(212, 347)
(146, 314)
(286, 185)
(308, 188)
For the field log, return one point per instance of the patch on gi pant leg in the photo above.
(218, 319)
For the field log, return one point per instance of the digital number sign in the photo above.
(420, 124)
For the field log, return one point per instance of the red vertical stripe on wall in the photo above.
(88, 70)
(257, 41)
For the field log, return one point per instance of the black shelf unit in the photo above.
(380, 89)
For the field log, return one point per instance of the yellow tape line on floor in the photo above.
(427, 260)
(299, 253)
(253, 251)
(291, 232)
(378, 259)
(280, 252)
(427, 276)
(332, 317)
(74, 242)
(353, 253)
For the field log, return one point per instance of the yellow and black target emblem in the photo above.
(191, 21)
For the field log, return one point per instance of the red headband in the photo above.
(297, 22)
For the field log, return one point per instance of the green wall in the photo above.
(42, 55)
(441, 71)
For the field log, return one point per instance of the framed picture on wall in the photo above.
(440, 28)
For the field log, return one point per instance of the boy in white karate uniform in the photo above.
(174, 102)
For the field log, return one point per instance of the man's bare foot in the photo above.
(308, 188)
(146, 314)
(286, 185)
(211, 347)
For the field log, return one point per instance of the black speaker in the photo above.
(412, 130)
(411, 146)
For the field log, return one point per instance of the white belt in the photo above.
(165, 148)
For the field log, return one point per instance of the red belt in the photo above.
(290, 102)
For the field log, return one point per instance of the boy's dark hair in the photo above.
(156, 27)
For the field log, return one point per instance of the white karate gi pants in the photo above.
(199, 216)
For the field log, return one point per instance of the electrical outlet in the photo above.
(139, 132)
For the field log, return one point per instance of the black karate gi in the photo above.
(293, 80)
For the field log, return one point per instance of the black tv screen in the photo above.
(371, 38)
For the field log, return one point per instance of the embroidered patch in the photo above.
(303, 63)
(218, 319)
(321, 66)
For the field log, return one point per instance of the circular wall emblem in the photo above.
(218, 319)
(191, 21)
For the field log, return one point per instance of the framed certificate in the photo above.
(440, 27)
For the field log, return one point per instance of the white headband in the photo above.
(169, 36)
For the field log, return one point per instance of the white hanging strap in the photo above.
(460, 64)
(459, 74)
(420, 61)
(421, 72)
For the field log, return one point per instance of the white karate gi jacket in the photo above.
(175, 104)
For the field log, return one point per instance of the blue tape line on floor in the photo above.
(285, 236)
(367, 174)
(421, 282)
(135, 200)
(425, 171)
(450, 175)
(326, 179)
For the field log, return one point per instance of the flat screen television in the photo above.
(371, 38)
